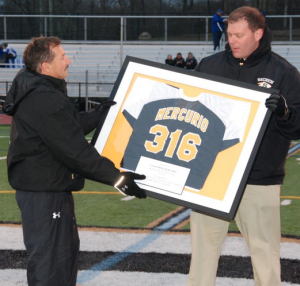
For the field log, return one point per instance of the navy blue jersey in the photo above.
(180, 130)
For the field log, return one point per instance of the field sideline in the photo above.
(143, 242)
(101, 205)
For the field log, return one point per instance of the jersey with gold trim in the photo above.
(173, 128)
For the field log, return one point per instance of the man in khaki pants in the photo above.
(248, 58)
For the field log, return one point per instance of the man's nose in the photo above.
(68, 61)
(231, 40)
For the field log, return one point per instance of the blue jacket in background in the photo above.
(217, 19)
(10, 51)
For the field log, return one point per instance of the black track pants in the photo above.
(50, 236)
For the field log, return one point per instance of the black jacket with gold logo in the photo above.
(266, 69)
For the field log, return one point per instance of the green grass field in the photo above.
(98, 209)
(91, 209)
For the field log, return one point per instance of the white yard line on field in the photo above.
(129, 198)
(286, 202)
(12, 277)
(12, 238)
(134, 247)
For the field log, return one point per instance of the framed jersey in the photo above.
(193, 135)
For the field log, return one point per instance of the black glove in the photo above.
(104, 106)
(277, 104)
(127, 186)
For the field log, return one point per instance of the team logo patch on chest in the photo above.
(265, 82)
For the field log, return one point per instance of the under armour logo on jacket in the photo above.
(124, 188)
(56, 215)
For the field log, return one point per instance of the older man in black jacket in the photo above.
(48, 158)
(248, 58)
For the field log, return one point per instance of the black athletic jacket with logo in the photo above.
(48, 150)
(266, 69)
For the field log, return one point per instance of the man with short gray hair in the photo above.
(49, 157)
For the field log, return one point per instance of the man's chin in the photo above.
(237, 55)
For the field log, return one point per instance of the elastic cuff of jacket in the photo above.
(94, 115)
(118, 184)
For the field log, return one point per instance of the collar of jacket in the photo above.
(24, 83)
(57, 83)
(262, 51)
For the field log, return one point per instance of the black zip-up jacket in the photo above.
(48, 150)
(265, 68)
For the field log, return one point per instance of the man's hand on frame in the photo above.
(277, 104)
(104, 106)
(127, 186)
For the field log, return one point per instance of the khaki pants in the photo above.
(258, 219)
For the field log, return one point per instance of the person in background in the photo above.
(179, 61)
(9, 55)
(169, 60)
(217, 28)
(2, 59)
(190, 62)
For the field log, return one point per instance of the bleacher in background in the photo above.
(99, 64)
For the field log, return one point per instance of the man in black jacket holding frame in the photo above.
(48, 158)
(248, 58)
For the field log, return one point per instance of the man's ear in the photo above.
(45, 68)
(258, 34)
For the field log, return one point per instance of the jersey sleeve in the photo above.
(145, 91)
(233, 113)
(237, 120)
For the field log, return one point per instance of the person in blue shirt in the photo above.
(217, 28)
(2, 60)
(9, 55)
